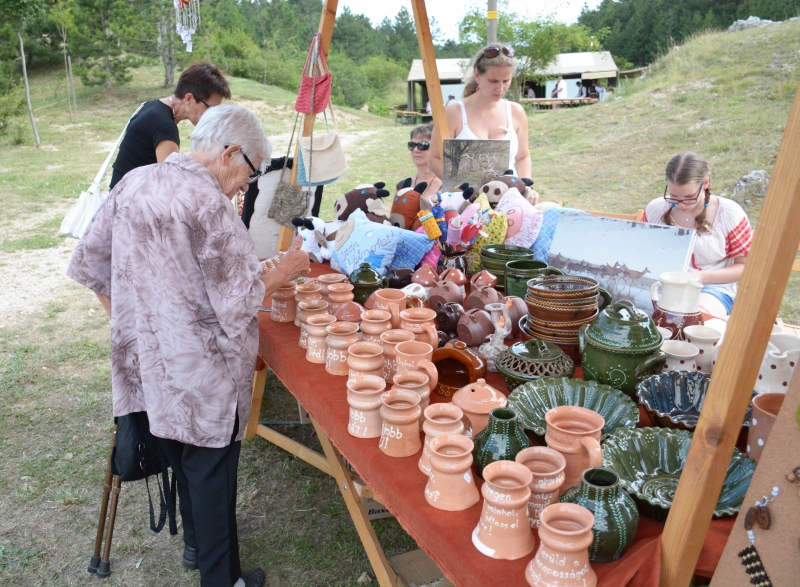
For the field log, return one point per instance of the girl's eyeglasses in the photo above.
(492, 52)
(422, 145)
(672, 200)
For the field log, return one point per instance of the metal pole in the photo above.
(491, 22)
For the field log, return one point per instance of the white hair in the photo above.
(231, 125)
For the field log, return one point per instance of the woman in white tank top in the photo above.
(484, 114)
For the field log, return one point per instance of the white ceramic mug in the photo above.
(680, 355)
(707, 341)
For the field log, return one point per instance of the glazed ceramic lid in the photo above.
(535, 349)
(366, 275)
(479, 398)
(623, 326)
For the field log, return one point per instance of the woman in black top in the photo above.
(153, 132)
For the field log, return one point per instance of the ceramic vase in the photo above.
(780, 361)
(373, 324)
(575, 433)
(547, 467)
(316, 339)
(364, 398)
(327, 279)
(501, 440)
(305, 292)
(681, 355)
(389, 340)
(439, 419)
(284, 306)
(416, 356)
(615, 515)
(306, 309)
(392, 301)
(400, 431)
(419, 383)
(562, 559)
(340, 336)
(450, 484)
(706, 339)
(765, 411)
(420, 321)
(364, 358)
(339, 294)
(503, 531)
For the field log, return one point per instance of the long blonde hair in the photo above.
(683, 169)
(482, 63)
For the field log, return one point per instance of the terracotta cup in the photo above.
(305, 292)
(451, 486)
(389, 340)
(327, 279)
(680, 355)
(393, 301)
(565, 534)
(364, 397)
(765, 411)
(503, 531)
(706, 339)
(374, 323)
(306, 309)
(284, 306)
(419, 383)
(316, 339)
(416, 356)
(340, 336)
(339, 294)
(439, 419)
(420, 321)
(364, 358)
(575, 433)
(400, 431)
(547, 467)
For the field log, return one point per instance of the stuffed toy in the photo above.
(523, 220)
(500, 184)
(315, 242)
(406, 204)
(367, 198)
(494, 228)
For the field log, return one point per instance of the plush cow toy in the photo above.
(366, 197)
(314, 240)
(406, 204)
(500, 184)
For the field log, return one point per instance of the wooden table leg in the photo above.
(383, 572)
(259, 382)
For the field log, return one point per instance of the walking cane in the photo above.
(97, 564)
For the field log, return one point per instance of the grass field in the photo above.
(726, 96)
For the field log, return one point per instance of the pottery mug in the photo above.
(547, 467)
(389, 340)
(680, 355)
(706, 339)
(392, 301)
(420, 322)
(364, 358)
(575, 433)
(416, 356)
(374, 323)
(765, 411)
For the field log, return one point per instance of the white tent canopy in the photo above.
(587, 65)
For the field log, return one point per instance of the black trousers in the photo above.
(207, 502)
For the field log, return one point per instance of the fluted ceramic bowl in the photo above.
(531, 401)
(674, 399)
(649, 462)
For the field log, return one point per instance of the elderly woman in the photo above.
(420, 145)
(175, 269)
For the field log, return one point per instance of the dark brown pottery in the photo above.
(474, 327)
(676, 321)
(554, 313)
(478, 298)
(444, 292)
(400, 277)
(447, 317)
(457, 366)
(517, 310)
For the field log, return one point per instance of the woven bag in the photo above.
(323, 157)
(289, 202)
(315, 88)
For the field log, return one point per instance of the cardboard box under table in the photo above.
(398, 484)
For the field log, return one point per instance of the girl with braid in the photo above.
(724, 234)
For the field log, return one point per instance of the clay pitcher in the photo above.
(439, 419)
(416, 356)
(340, 336)
(765, 411)
(420, 322)
(284, 306)
(364, 358)
(547, 467)
(374, 323)
(364, 397)
(305, 292)
(475, 327)
(575, 433)
(389, 340)
(451, 486)
(316, 339)
(562, 559)
(504, 531)
(400, 431)
(393, 301)
(419, 383)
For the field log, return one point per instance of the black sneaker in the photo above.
(254, 578)
(190, 557)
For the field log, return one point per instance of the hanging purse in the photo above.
(322, 157)
(314, 89)
(289, 202)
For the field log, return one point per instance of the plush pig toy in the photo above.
(366, 197)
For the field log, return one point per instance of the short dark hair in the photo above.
(423, 130)
(202, 80)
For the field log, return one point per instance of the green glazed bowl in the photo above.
(649, 462)
(505, 252)
(531, 401)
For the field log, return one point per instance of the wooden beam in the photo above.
(760, 293)
(259, 381)
(292, 446)
(428, 55)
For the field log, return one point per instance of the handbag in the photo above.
(288, 201)
(315, 90)
(322, 156)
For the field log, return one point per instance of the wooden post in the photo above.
(760, 293)
(428, 55)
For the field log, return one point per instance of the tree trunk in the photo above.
(167, 49)
(72, 88)
(28, 91)
(69, 90)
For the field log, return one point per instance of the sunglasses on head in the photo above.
(492, 52)
(422, 145)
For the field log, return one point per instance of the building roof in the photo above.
(449, 69)
(599, 64)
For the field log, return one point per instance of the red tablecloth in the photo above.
(399, 484)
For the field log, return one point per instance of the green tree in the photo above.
(61, 15)
(354, 36)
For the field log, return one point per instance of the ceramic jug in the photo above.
(305, 292)
(503, 531)
(444, 292)
(340, 336)
(392, 301)
(364, 398)
(389, 340)
(476, 400)
(439, 419)
(450, 484)
(306, 309)
(373, 324)
(706, 339)
(562, 559)
(419, 383)
(680, 292)
(680, 355)
(415, 356)
(780, 361)
(364, 358)
(575, 433)
(400, 431)
(425, 276)
(765, 411)
(475, 327)
(365, 280)
(547, 467)
(316, 337)
(284, 306)
(420, 321)
(500, 440)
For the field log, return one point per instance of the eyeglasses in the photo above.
(672, 200)
(422, 145)
(491, 52)
(256, 173)
(203, 102)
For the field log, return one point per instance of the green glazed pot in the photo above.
(616, 518)
(501, 440)
(518, 273)
(366, 280)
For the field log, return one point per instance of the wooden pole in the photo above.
(760, 293)
(428, 55)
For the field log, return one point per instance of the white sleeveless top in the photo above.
(511, 135)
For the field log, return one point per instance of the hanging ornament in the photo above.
(187, 20)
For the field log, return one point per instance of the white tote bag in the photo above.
(89, 202)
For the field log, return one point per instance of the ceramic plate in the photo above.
(532, 401)
(649, 462)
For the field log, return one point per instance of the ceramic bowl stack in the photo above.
(558, 305)
(495, 257)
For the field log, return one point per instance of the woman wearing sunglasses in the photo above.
(483, 113)
(723, 230)
(420, 145)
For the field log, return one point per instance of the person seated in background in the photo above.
(592, 89)
(723, 237)
(420, 145)
(529, 92)
(582, 93)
